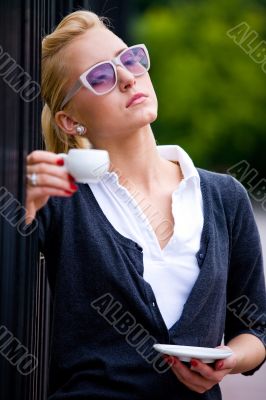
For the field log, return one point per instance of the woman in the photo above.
(156, 252)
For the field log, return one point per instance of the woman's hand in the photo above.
(201, 377)
(51, 180)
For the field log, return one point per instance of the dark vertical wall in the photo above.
(24, 294)
(19, 113)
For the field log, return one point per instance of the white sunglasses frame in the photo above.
(82, 81)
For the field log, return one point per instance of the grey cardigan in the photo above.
(105, 316)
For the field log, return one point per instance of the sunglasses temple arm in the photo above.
(71, 93)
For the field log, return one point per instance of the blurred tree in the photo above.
(211, 94)
(142, 5)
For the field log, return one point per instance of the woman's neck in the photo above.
(136, 159)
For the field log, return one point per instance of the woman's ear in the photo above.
(66, 123)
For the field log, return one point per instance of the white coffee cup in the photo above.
(86, 165)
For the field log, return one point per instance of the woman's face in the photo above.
(107, 116)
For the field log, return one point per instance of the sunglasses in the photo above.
(101, 78)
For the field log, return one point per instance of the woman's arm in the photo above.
(245, 329)
(249, 350)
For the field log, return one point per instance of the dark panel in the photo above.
(24, 294)
(20, 32)
(118, 11)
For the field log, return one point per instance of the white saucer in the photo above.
(186, 353)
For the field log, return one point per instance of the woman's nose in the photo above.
(125, 79)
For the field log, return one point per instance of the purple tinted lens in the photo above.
(102, 78)
(135, 60)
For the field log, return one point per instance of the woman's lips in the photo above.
(136, 99)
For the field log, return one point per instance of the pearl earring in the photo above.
(80, 129)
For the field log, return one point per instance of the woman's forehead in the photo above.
(96, 45)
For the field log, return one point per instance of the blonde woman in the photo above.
(157, 252)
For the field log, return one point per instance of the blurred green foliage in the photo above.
(211, 94)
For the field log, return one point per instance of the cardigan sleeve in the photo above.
(246, 296)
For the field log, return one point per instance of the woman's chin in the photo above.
(149, 116)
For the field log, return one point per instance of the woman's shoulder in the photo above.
(222, 182)
(223, 191)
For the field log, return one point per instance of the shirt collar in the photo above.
(176, 153)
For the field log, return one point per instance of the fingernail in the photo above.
(68, 192)
(168, 359)
(71, 178)
(194, 363)
(60, 161)
(73, 186)
(220, 364)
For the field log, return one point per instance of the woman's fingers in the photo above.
(50, 181)
(52, 176)
(49, 191)
(46, 168)
(39, 156)
(200, 377)
(189, 378)
(194, 376)
(227, 363)
(207, 372)
(59, 181)
(49, 174)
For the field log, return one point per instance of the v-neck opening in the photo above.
(184, 318)
(147, 226)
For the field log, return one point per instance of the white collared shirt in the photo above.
(173, 270)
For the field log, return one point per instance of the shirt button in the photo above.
(153, 304)
(201, 256)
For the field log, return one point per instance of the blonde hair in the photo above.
(55, 77)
